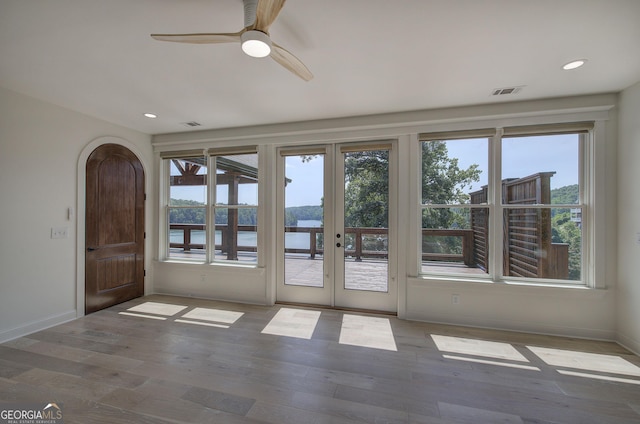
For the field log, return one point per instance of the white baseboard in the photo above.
(532, 328)
(34, 326)
(629, 343)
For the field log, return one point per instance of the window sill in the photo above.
(221, 265)
(438, 281)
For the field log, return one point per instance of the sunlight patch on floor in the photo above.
(210, 317)
(156, 308)
(372, 332)
(206, 324)
(484, 348)
(298, 323)
(131, 314)
(585, 361)
(213, 315)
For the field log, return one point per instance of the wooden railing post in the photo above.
(312, 243)
(358, 237)
(186, 238)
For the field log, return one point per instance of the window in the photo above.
(521, 219)
(454, 211)
(540, 193)
(212, 217)
(235, 207)
(187, 207)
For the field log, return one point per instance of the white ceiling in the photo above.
(368, 57)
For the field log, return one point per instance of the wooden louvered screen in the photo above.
(527, 231)
(528, 250)
(480, 228)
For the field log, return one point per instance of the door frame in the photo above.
(80, 215)
(332, 151)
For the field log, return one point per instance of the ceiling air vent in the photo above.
(191, 124)
(506, 90)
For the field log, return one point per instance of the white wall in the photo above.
(628, 295)
(576, 312)
(40, 145)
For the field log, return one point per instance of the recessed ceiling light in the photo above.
(151, 115)
(574, 64)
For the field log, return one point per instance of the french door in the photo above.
(336, 234)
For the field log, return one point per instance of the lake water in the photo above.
(249, 238)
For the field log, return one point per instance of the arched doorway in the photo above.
(114, 227)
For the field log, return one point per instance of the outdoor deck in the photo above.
(368, 274)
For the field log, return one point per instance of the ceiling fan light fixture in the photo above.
(256, 43)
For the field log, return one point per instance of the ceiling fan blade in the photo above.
(200, 38)
(267, 12)
(289, 61)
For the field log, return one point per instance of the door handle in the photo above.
(338, 245)
(91, 249)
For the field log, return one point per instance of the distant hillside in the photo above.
(196, 215)
(305, 213)
(567, 195)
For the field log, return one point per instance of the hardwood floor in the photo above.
(163, 359)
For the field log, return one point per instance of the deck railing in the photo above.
(355, 242)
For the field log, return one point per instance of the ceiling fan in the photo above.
(254, 37)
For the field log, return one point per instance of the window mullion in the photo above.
(210, 213)
(496, 213)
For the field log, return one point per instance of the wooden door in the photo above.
(114, 258)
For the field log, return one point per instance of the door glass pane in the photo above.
(303, 220)
(366, 220)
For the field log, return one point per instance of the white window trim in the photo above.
(592, 272)
(209, 208)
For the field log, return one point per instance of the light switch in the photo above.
(59, 232)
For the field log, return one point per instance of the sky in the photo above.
(521, 156)
(306, 186)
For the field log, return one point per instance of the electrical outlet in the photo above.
(203, 278)
(455, 299)
(59, 232)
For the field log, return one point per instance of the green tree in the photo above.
(192, 215)
(564, 230)
(567, 195)
(367, 189)
(290, 220)
(306, 213)
(443, 182)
